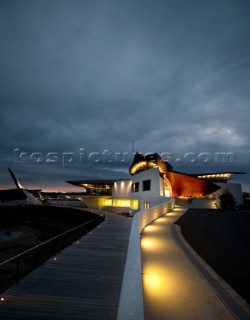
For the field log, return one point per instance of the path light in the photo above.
(2, 299)
(149, 228)
(152, 282)
(147, 244)
(152, 228)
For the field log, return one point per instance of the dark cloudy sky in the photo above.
(173, 75)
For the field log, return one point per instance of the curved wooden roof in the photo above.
(186, 185)
(182, 184)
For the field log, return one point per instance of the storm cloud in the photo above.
(174, 76)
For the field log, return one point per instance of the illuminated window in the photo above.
(167, 193)
(146, 205)
(134, 204)
(135, 187)
(108, 202)
(146, 185)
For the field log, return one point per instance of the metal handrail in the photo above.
(50, 240)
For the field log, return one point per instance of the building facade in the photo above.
(152, 181)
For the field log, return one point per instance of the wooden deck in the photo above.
(82, 282)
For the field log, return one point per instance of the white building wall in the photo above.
(234, 188)
(122, 189)
(155, 195)
(157, 183)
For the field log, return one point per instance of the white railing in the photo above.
(131, 298)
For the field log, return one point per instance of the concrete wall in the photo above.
(234, 188)
(131, 298)
(121, 189)
(152, 200)
(157, 183)
(153, 196)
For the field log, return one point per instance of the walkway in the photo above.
(173, 289)
(82, 282)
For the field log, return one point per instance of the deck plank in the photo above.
(84, 281)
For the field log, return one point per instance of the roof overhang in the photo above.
(92, 184)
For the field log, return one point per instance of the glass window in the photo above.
(146, 185)
(146, 205)
(135, 187)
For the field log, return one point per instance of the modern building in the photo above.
(152, 181)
